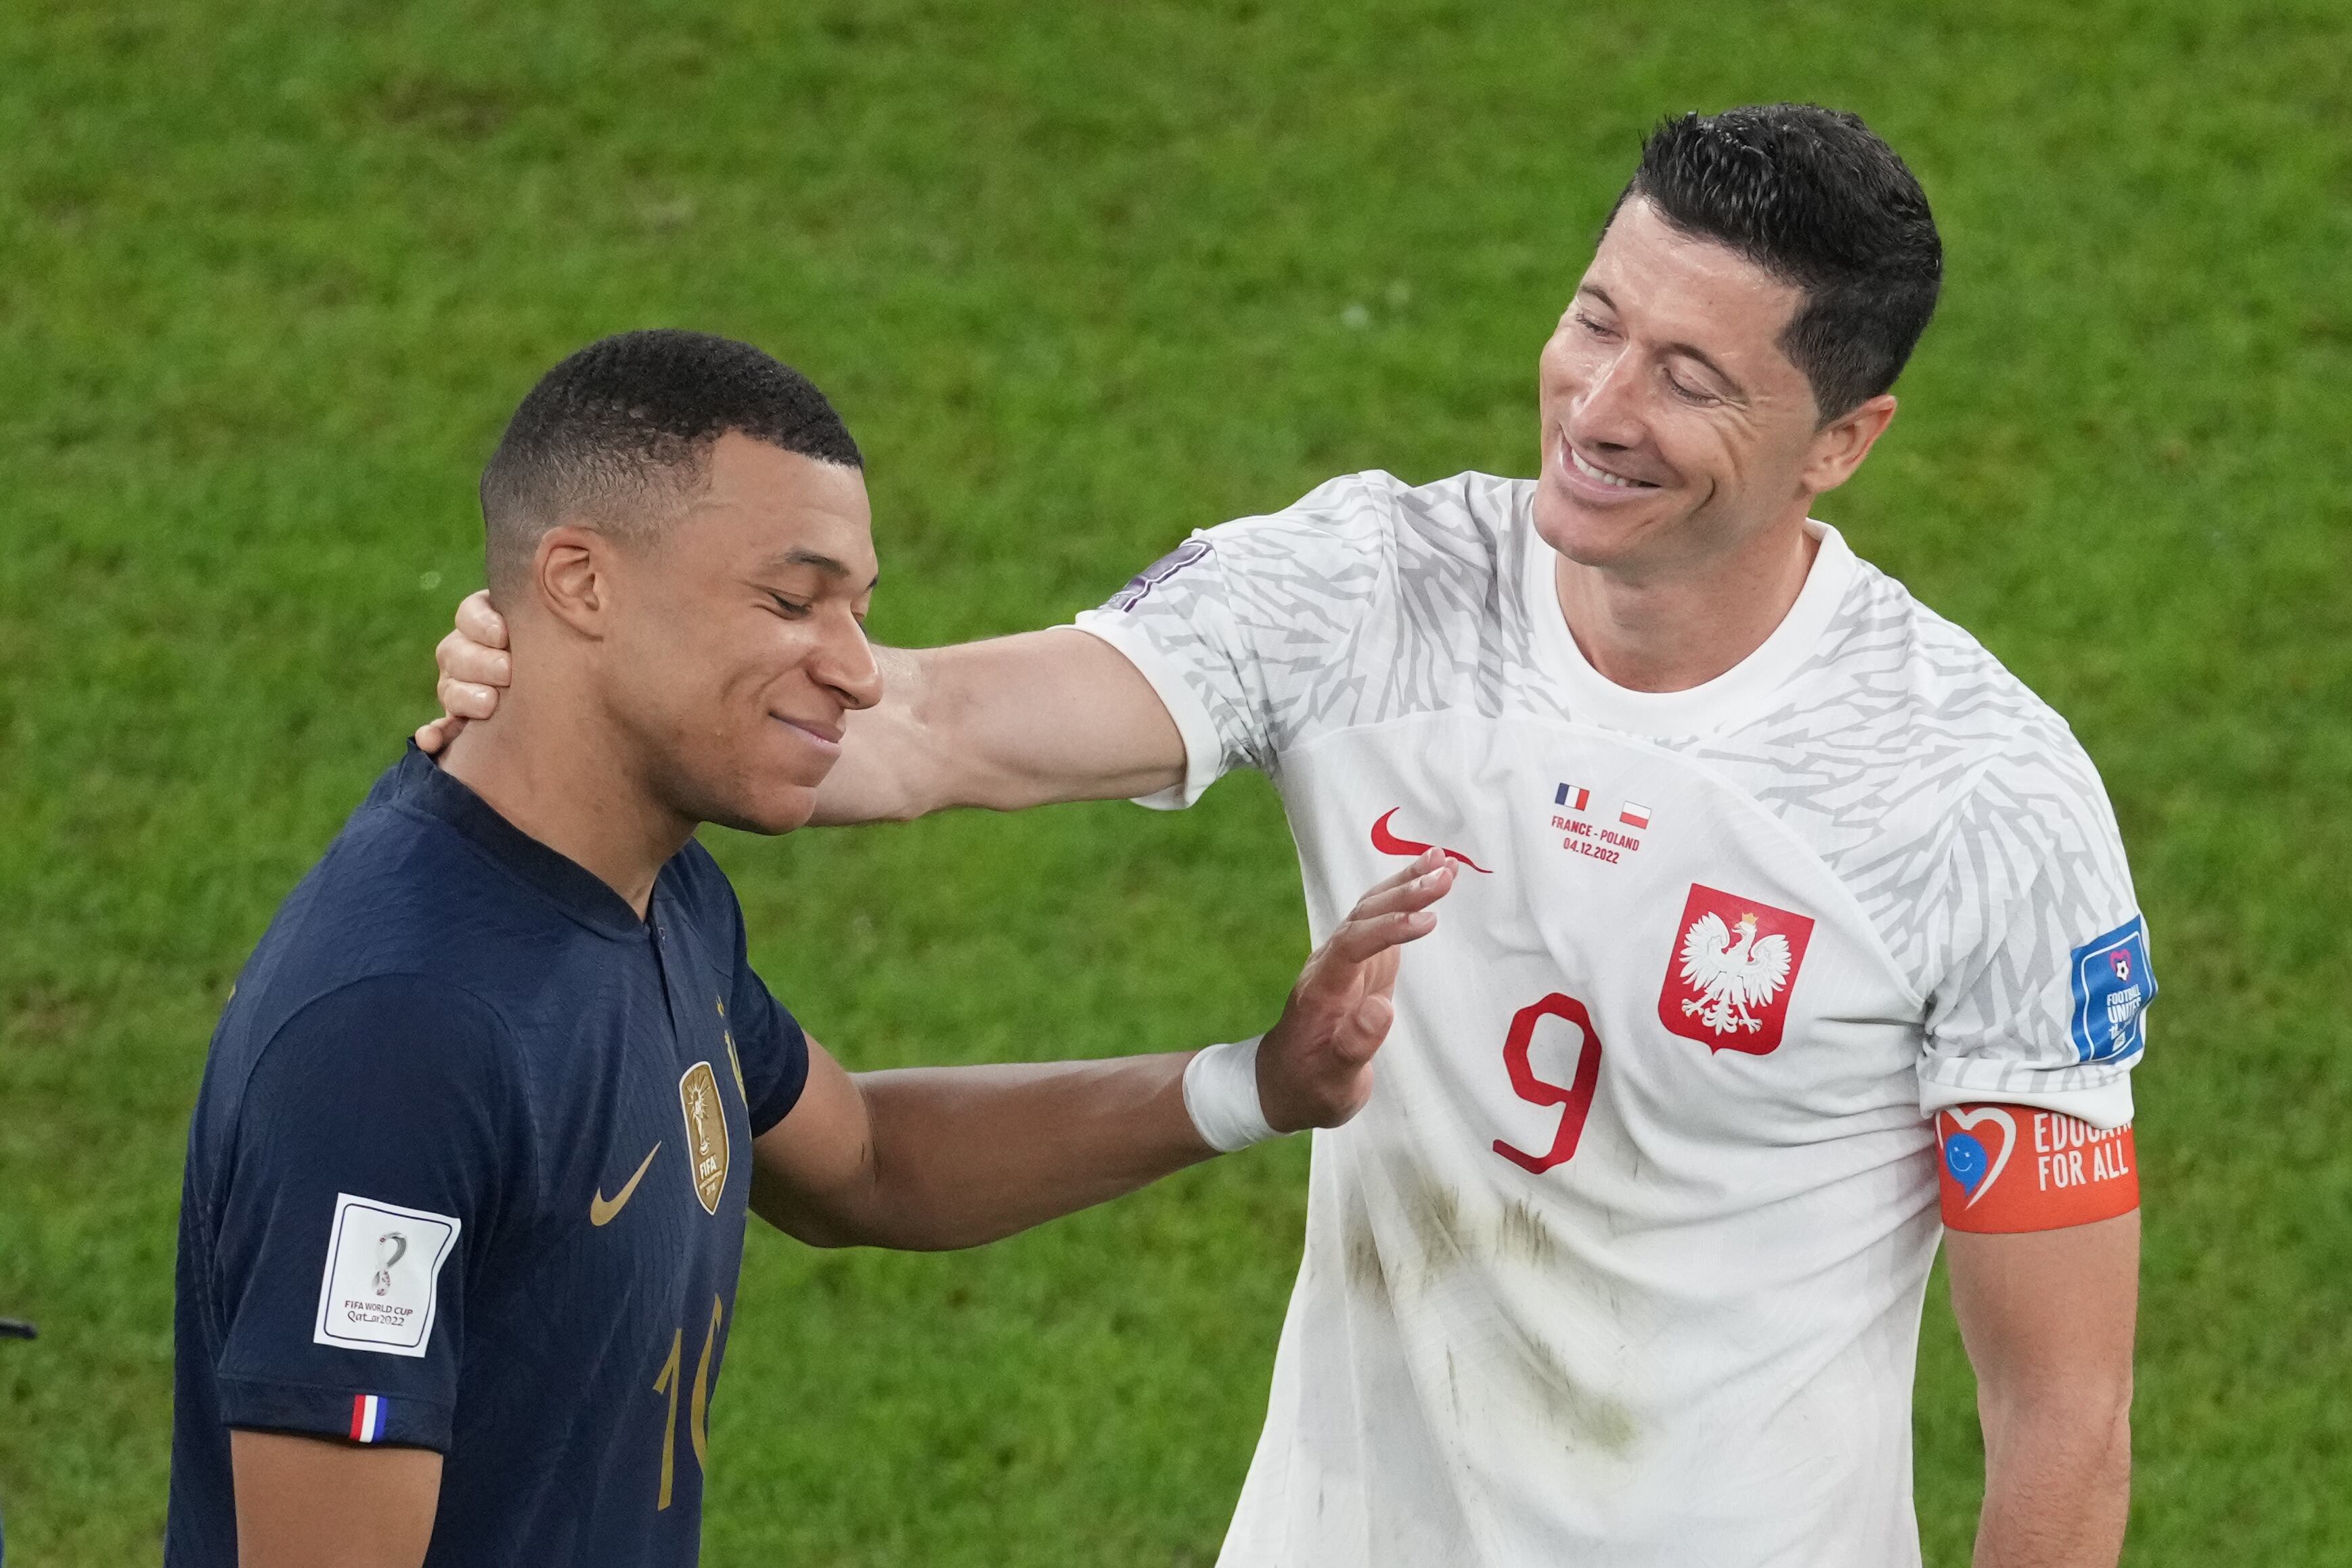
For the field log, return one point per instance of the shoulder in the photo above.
(1366, 549)
(389, 1037)
(1922, 771)
(1897, 690)
(1953, 695)
(1372, 515)
(402, 942)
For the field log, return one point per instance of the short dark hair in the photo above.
(1815, 198)
(618, 434)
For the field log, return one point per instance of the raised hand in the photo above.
(1315, 1066)
(473, 665)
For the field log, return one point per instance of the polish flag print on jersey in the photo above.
(1734, 963)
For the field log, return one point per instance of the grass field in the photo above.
(1083, 277)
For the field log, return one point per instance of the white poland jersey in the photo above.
(1622, 1264)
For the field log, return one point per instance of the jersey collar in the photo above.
(419, 784)
(1739, 693)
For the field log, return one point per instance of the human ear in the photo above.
(571, 576)
(1839, 446)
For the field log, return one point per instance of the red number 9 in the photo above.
(1574, 1100)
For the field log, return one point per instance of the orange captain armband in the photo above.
(2011, 1168)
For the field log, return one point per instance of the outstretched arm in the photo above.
(2048, 1318)
(929, 1158)
(1004, 724)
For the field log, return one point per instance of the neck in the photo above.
(1653, 630)
(548, 764)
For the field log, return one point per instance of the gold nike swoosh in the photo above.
(601, 1209)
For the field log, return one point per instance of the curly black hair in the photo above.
(617, 433)
(1813, 196)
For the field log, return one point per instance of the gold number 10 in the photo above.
(696, 1410)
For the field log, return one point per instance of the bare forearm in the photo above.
(2057, 1480)
(962, 1155)
(1003, 725)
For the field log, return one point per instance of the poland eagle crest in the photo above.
(1732, 970)
(1727, 981)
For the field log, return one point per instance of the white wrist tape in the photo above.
(1221, 1092)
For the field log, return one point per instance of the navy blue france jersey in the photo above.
(469, 1171)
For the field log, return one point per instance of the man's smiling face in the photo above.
(1675, 427)
(737, 648)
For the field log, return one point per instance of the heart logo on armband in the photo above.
(1967, 1155)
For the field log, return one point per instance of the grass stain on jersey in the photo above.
(1434, 1213)
(1588, 1418)
(1367, 1276)
(1524, 1235)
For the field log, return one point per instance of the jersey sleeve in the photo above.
(1246, 629)
(771, 1053)
(2044, 983)
(378, 1140)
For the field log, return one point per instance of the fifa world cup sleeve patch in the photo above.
(384, 1276)
(2007, 1168)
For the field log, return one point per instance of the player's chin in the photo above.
(772, 808)
(1595, 535)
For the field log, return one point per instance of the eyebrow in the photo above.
(824, 563)
(1689, 350)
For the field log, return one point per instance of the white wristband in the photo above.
(1221, 1092)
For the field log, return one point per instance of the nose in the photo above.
(1605, 413)
(844, 664)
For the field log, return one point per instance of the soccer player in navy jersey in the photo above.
(467, 1176)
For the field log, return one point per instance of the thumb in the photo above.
(1364, 1028)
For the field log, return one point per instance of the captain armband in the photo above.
(2006, 1168)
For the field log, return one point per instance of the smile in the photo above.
(1599, 476)
(825, 740)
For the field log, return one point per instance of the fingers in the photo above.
(1421, 865)
(432, 737)
(463, 699)
(462, 659)
(1360, 941)
(478, 621)
(1419, 893)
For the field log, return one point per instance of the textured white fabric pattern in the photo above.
(1623, 1264)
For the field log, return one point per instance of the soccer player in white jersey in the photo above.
(1787, 917)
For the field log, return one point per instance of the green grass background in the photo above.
(1084, 276)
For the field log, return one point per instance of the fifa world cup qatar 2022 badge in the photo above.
(381, 1286)
(705, 1132)
(1734, 964)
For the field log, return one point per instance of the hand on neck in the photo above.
(552, 763)
(1671, 628)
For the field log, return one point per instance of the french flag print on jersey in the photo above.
(367, 1418)
(1634, 815)
(1570, 796)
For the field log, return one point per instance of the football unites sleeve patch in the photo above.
(2007, 1168)
(2113, 986)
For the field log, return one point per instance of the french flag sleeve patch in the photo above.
(2008, 1168)
(368, 1414)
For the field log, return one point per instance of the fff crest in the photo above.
(706, 1134)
